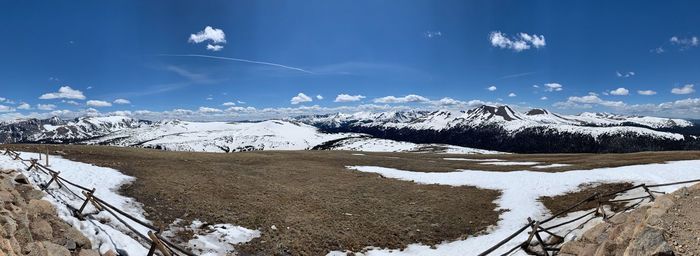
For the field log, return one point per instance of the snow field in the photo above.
(520, 191)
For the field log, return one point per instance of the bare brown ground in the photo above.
(315, 203)
(556, 204)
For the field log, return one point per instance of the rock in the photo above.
(596, 233)
(88, 253)
(110, 253)
(6, 196)
(35, 249)
(21, 179)
(80, 240)
(9, 225)
(34, 194)
(41, 230)
(55, 250)
(6, 246)
(572, 248)
(40, 207)
(70, 245)
(649, 241)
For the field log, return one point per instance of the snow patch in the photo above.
(511, 163)
(520, 191)
(471, 159)
(550, 166)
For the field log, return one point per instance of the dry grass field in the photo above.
(318, 205)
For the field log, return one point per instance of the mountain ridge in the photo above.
(496, 128)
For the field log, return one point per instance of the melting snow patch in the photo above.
(550, 166)
(471, 159)
(217, 239)
(358, 154)
(511, 163)
(520, 192)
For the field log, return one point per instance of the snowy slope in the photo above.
(55, 130)
(509, 120)
(370, 144)
(221, 136)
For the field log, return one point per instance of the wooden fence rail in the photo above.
(536, 226)
(153, 237)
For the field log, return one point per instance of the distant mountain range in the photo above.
(504, 129)
(496, 128)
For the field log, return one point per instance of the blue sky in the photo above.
(259, 55)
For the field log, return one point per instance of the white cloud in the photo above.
(685, 42)
(543, 98)
(348, 98)
(620, 92)
(432, 34)
(4, 108)
(24, 106)
(492, 88)
(71, 102)
(518, 43)
(553, 87)
(122, 101)
(209, 110)
(240, 109)
(215, 47)
(228, 104)
(686, 89)
(625, 74)
(215, 35)
(587, 102)
(405, 99)
(646, 92)
(65, 92)
(98, 103)
(658, 50)
(47, 107)
(512, 94)
(300, 98)
(447, 101)
(319, 97)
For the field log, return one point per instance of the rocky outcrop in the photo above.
(30, 226)
(669, 226)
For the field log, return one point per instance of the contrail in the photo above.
(239, 60)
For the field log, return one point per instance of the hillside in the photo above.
(479, 130)
(503, 128)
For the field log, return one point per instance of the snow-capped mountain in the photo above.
(179, 135)
(221, 136)
(55, 130)
(498, 128)
(502, 128)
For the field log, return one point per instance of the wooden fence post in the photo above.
(54, 176)
(648, 192)
(158, 244)
(88, 198)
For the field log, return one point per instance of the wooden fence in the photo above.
(153, 236)
(550, 247)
